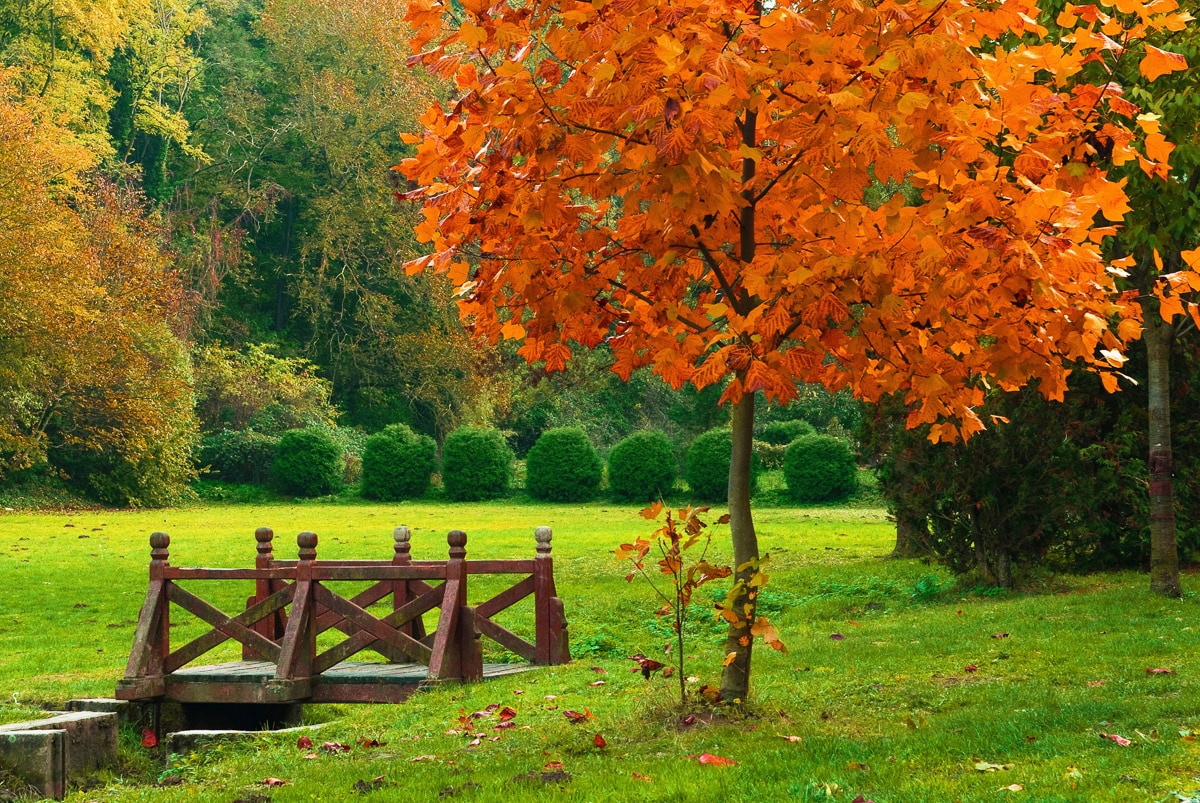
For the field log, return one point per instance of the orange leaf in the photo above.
(1157, 63)
(716, 761)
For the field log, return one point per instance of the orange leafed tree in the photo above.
(687, 182)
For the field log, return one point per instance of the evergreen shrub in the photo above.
(820, 468)
(476, 464)
(642, 466)
(563, 466)
(308, 462)
(781, 433)
(707, 466)
(239, 455)
(397, 463)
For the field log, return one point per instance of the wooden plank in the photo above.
(370, 624)
(506, 638)
(223, 622)
(499, 566)
(144, 637)
(414, 608)
(446, 623)
(506, 599)
(179, 573)
(386, 571)
(297, 639)
(197, 647)
(363, 599)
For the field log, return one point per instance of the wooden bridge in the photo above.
(293, 604)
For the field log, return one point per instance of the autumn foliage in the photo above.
(685, 181)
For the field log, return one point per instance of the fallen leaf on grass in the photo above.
(333, 748)
(710, 693)
(366, 787)
(518, 691)
(716, 761)
(475, 742)
(795, 739)
(575, 717)
(1000, 635)
(1159, 670)
(668, 671)
(505, 725)
(599, 670)
(451, 791)
(645, 665)
(310, 756)
(365, 742)
(861, 799)
(599, 741)
(1121, 740)
(423, 758)
(987, 766)
(837, 637)
(690, 719)
(1095, 683)
(596, 683)
(275, 782)
(637, 776)
(149, 739)
(1012, 787)
(553, 766)
(970, 668)
(857, 765)
(507, 713)
(1072, 773)
(304, 743)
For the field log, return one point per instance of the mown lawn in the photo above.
(890, 713)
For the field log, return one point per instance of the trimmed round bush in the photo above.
(308, 462)
(707, 465)
(397, 463)
(819, 468)
(642, 467)
(239, 455)
(476, 464)
(563, 466)
(781, 433)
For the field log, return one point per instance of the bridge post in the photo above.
(551, 624)
(160, 558)
(293, 673)
(402, 590)
(272, 626)
(456, 650)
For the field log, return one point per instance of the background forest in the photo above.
(203, 252)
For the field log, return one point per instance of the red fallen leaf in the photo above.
(505, 725)
(690, 719)
(1000, 635)
(1159, 671)
(837, 637)
(365, 742)
(970, 668)
(596, 683)
(599, 670)
(860, 798)
(492, 707)
(599, 741)
(494, 739)
(304, 743)
(553, 766)
(668, 671)
(518, 692)
(1121, 740)
(852, 623)
(474, 742)
(423, 758)
(575, 717)
(960, 611)
(646, 665)
(335, 748)
(148, 738)
(275, 782)
(716, 761)
(507, 713)
(637, 776)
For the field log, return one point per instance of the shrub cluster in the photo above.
(819, 468)
(781, 433)
(239, 455)
(397, 463)
(642, 467)
(308, 462)
(707, 469)
(476, 464)
(563, 466)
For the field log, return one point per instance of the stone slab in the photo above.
(38, 757)
(91, 738)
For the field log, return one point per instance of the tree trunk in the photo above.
(912, 535)
(1164, 554)
(735, 679)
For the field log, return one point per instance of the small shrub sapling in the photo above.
(677, 535)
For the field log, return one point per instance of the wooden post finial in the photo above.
(307, 541)
(264, 535)
(402, 535)
(457, 540)
(158, 546)
(543, 535)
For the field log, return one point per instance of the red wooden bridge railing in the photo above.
(293, 604)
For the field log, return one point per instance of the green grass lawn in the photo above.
(889, 713)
